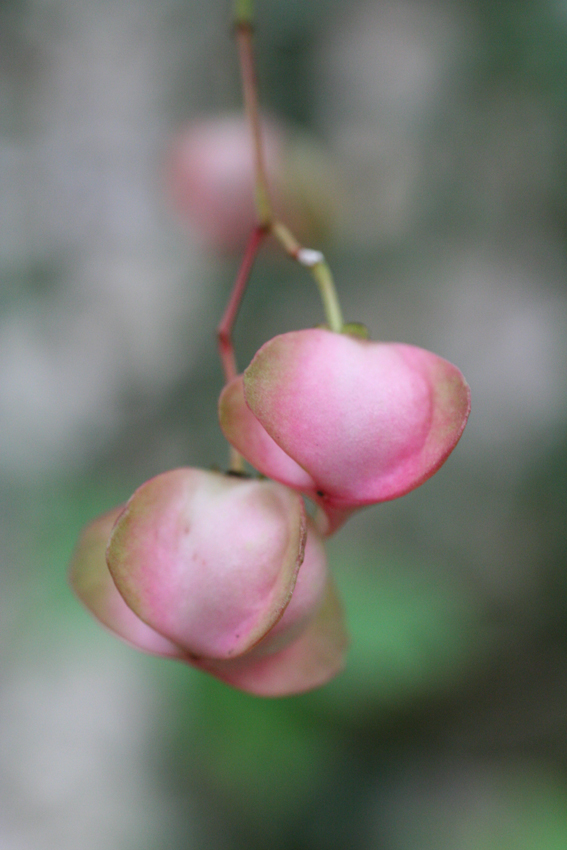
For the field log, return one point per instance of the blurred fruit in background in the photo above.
(209, 176)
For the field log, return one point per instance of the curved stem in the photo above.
(317, 265)
(324, 280)
(226, 324)
(313, 260)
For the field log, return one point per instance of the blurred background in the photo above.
(427, 140)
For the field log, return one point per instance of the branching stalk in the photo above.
(317, 265)
(226, 324)
(310, 259)
(313, 260)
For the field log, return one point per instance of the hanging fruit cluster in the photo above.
(227, 571)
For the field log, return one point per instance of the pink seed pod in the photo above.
(346, 421)
(210, 180)
(90, 579)
(222, 572)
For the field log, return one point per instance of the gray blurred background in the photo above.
(444, 123)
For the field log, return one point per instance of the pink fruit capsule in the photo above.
(346, 421)
(90, 579)
(222, 572)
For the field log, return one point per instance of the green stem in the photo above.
(313, 260)
(324, 279)
(243, 12)
(317, 265)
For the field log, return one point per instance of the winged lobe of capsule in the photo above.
(226, 574)
(346, 421)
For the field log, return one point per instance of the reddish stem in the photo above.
(226, 324)
(244, 39)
